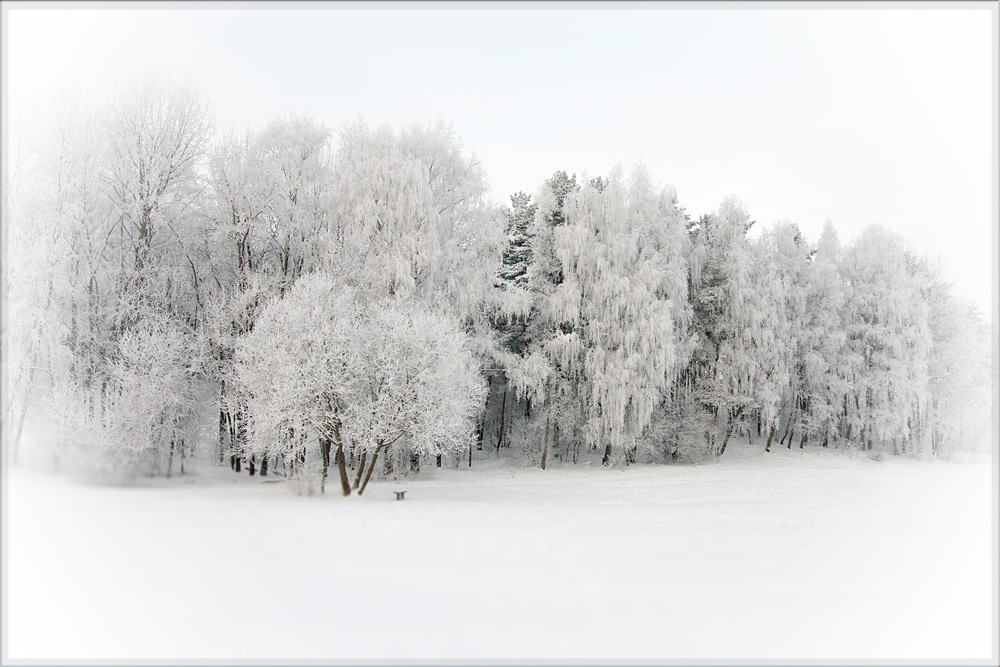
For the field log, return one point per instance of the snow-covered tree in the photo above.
(113, 211)
(358, 376)
(958, 368)
(296, 155)
(267, 204)
(410, 217)
(780, 348)
(732, 319)
(613, 315)
(822, 339)
(517, 254)
(888, 341)
(156, 136)
(152, 411)
(55, 268)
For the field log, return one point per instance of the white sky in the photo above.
(854, 113)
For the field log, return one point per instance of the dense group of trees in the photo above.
(304, 299)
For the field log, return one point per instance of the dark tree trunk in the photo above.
(222, 420)
(438, 460)
(371, 469)
(361, 468)
(222, 433)
(545, 445)
(733, 420)
(790, 436)
(253, 464)
(788, 425)
(804, 440)
(324, 449)
(770, 437)
(503, 412)
(481, 428)
(345, 485)
(263, 467)
(606, 460)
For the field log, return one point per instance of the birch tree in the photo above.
(888, 340)
(617, 303)
(824, 378)
(725, 323)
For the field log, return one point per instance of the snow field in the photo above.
(797, 555)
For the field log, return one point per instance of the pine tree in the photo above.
(517, 254)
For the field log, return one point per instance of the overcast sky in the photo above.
(806, 112)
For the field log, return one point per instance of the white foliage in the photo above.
(325, 360)
(614, 314)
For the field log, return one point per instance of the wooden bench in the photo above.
(399, 494)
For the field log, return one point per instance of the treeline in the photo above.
(353, 302)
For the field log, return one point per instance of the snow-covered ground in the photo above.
(798, 554)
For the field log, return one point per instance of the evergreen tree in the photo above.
(517, 254)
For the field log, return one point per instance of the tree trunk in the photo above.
(804, 440)
(503, 412)
(361, 468)
(545, 446)
(606, 460)
(342, 467)
(222, 420)
(222, 434)
(733, 420)
(481, 429)
(263, 467)
(790, 436)
(770, 436)
(438, 460)
(324, 449)
(788, 425)
(371, 469)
